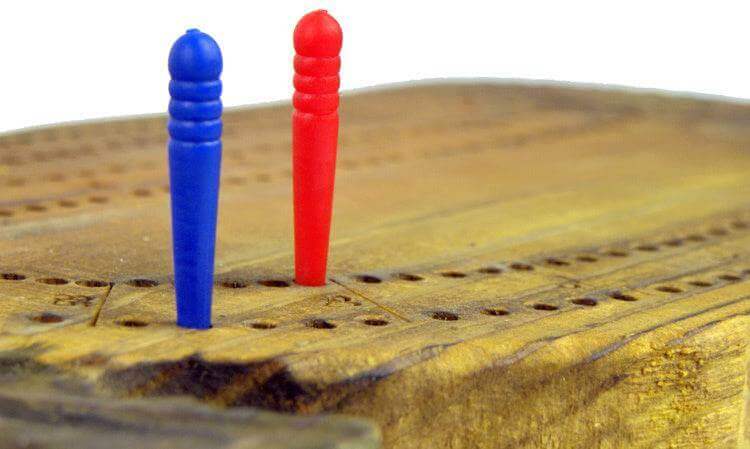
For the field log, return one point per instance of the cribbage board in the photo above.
(512, 265)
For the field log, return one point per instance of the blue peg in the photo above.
(194, 127)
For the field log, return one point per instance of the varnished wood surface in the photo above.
(511, 266)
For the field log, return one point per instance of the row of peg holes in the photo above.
(318, 323)
(438, 315)
(139, 192)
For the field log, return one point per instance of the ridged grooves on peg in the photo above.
(317, 42)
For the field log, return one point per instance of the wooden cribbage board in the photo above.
(511, 266)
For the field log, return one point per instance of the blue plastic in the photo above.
(194, 127)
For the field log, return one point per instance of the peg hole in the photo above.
(543, 306)
(318, 323)
(494, 311)
(276, 283)
(556, 262)
(443, 315)
(368, 279)
(519, 266)
(622, 297)
(131, 323)
(409, 277)
(47, 317)
(669, 289)
(143, 283)
(453, 274)
(12, 276)
(93, 283)
(700, 283)
(589, 302)
(52, 281)
(730, 278)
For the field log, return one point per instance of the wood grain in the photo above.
(511, 266)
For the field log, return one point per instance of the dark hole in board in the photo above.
(587, 259)
(233, 284)
(277, 283)
(673, 242)
(490, 270)
(93, 283)
(557, 262)
(695, 238)
(718, 231)
(521, 266)
(67, 203)
(730, 278)
(375, 321)
(409, 277)
(648, 248)
(131, 323)
(622, 296)
(493, 311)
(444, 315)
(669, 289)
(142, 283)
(453, 274)
(52, 281)
(700, 283)
(739, 224)
(12, 276)
(589, 302)
(319, 323)
(367, 279)
(47, 317)
(542, 306)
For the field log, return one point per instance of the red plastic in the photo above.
(315, 125)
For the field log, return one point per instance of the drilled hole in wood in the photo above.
(319, 323)
(233, 284)
(718, 231)
(93, 283)
(622, 297)
(589, 302)
(556, 262)
(142, 283)
(542, 306)
(444, 315)
(98, 199)
(617, 253)
(695, 238)
(669, 289)
(493, 311)
(521, 266)
(52, 281)
(673, 242)
(5, 213)
(277, 283)
(263, 324)
(47, 317)
(700, 283)
(35, 208)
(367, 279)
(12, 276)
(490, 270)
(375, 321)
(453, 274)
(131, 323)
(647, 248)
(739, 224)
(67, 203)
(587, 259)
(409, 277)
(730, 278)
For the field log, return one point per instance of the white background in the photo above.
(72, 60)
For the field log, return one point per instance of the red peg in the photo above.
(315, 126)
